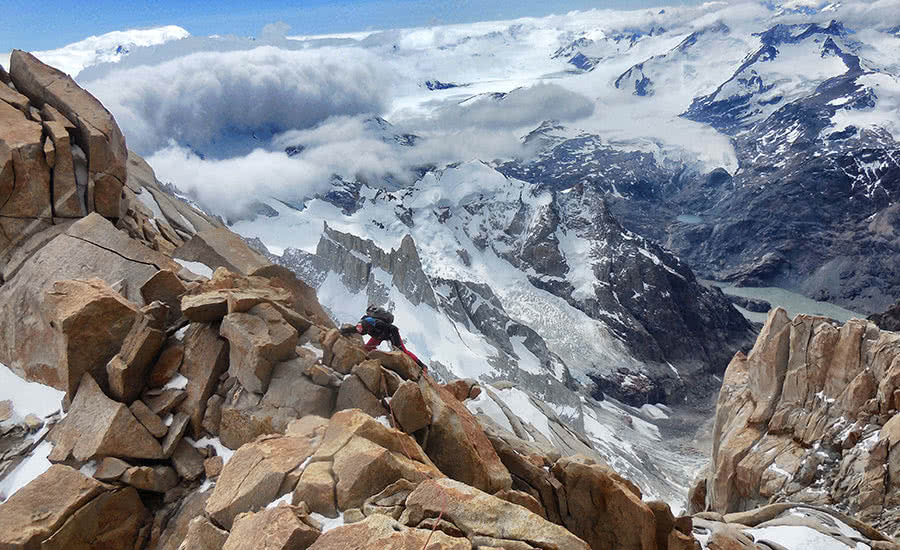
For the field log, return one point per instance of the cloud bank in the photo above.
(200, 97)
(214, 114)
(519, 108)
(350, 147)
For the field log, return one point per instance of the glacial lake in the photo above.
(689, 218)
(792, 302)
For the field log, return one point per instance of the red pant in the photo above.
(374, 343)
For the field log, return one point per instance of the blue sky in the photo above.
(54, 23)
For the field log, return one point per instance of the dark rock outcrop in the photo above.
(888, 320)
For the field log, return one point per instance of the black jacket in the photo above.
(380, 330)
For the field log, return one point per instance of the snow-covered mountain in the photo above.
(815, 126)
(106, 48)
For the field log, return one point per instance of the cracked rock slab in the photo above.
(28, 343)
(279, 528)
(219, 247)
(256, 475)
(258, 340)
(96, 129)
(205, 359)
(458, 445)
(127, 371)
(75, 308)
(59, 509)
(378, 531)
(479, 515)
(203, 535)
(97, 426)
(149, 419)
(24, 174)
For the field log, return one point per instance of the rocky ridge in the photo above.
(224, 410)
(469, 304)
(808, 416)
(561, 415)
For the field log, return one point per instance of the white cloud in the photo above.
(351, 147)
(228, 186)
(519, 108)
(178, 105)
(107, 48)
(203, 103)
(878, 14)
(199, 97)
(275, 31)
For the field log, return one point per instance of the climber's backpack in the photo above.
(381, 314)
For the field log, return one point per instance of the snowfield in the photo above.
(105, 48)
(28, 398)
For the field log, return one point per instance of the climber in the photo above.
(378, 324)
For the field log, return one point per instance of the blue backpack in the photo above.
(380, 313)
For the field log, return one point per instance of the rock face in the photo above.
(97, 132)
(411, 411)
(127, 370)
(25, 178)
(64, 509)
(379, 531)
(604, 509)
(218, 247)
(172, 523)
(486, 520)
(279, 528)
(97, 426)
(808, 416)
(91, 247)
(366, 457)
(257, 474)
(340, 247)
(156, 479)
(258, 340)
(203, 535)
(305, 301)
(69, 195)
(78, 307)
(205, 359)
(457, 444)
(167, 288)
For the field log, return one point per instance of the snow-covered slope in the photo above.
(27, 410)
(640, 442)
(697, 63)
(790, 62)
(106, 48)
